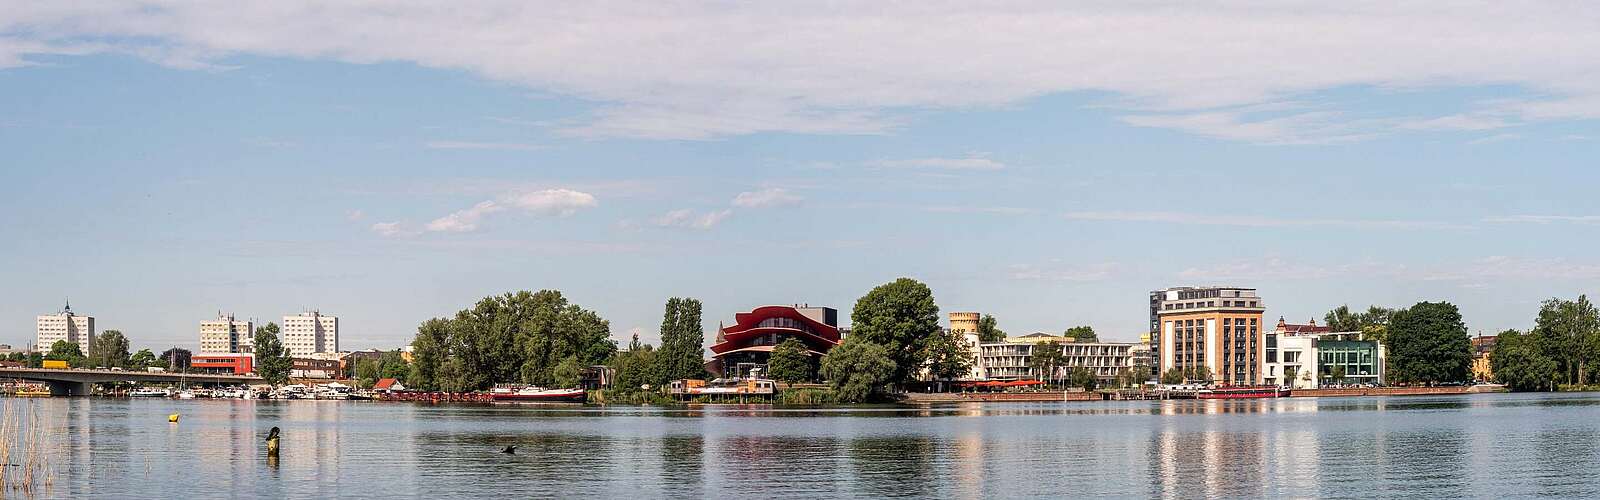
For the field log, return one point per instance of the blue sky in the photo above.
(389, 164)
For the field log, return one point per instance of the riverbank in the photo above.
(1051, 396)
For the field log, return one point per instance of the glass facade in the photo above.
(1358, 358)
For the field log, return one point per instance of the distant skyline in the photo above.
(1049, 164)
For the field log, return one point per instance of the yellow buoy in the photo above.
(172, 418)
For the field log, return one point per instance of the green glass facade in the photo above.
(1359, 359)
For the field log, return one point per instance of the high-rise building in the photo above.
(66, 326)
(1218, 328)
(227, 335)
(964, 322)
(310, 332)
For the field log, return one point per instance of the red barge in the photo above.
(538, 395)
(1243, 392)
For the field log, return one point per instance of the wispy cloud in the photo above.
(1057, 270)
(548, 202)
(393, 229)
(686, 218)
(767, 198)
(1543, 219)
(1252, 221)
(486, 146)
(967, 163)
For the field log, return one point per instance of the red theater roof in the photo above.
(747, 326)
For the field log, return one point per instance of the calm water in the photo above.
(1473, 446)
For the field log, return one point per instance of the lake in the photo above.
(1486, 445)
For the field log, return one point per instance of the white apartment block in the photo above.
(310, 332)
(227, 335)
(65, 326)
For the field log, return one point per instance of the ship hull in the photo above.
(551, 397)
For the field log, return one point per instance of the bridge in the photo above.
(67, 382)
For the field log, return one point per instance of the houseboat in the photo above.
(507, 393)
(1243, 392)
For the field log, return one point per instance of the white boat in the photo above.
(186, 395)
(332, 390)
(150, 392)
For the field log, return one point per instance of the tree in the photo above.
(366, 372)
(1340, 319)
(1173, 376)
(790, 362)
(392, 364)
(1569, 332)
(901, 317)
(1200, 373)
(1336, 374)
(1372, 323)
(1521, 364)
(109, 349)
(1047, 360)
(949, 358)
(142, 359)
(1083, 377)
(176, 359)
(566, 373)
(1428, 344)
(428, 350)
(858, 370)
(989, 331)
(66, 351)
(635, 367)
(1081, 334)
(272, 360)
(682, 341)
(519, 336)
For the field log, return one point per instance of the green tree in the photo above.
(66, 351)
(272, 360)
(453, 377)
(1428, 343)
(175, 359)
(858, 370)
(366, 372)
(989, 331)
(1083, 377)
(790, 362)
(1173, 376)
(1336, 374)
(949, 358)
(1569, 332)
(1047, 360)
(109, 349)
(901, 317)
(635, 367)
(1340, 319)
(392, 364)
(428, 350)
(142, 359)
(1081, 334)
(682, 341)
(1521, 364)
(1372, 323)
(1200, 373)
(566, 373)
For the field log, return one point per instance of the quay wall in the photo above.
(1380, 391)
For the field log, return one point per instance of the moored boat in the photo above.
(538, 394)
(150, 392)
(1243, 392)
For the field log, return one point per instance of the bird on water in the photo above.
(510, 450)
(272, 442)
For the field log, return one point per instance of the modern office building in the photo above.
(227, 334)
(1009, 360)
(224, 363)
(742, 349)
(1308, 356)
(964, 322)
(64, 325)
(1219, 328)
(310, 332)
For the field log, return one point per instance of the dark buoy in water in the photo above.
(272, 443)
(510, 450)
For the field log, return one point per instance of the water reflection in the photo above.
(1486, 445)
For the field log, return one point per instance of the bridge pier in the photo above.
(66, 388)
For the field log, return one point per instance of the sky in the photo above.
(1046, 163)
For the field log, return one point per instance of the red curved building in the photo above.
(747, 344)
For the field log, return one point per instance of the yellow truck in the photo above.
(51, 363)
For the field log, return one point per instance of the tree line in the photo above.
(1562, 348)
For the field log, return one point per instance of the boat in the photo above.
(332, 390)
(1243, 392)
(33, 393)
(538, 395)
(150, 392)
(186, 395)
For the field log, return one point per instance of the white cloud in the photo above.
(686, 218)
(1250, 220)
(487, 146)
(465, 220)
(354, 215)
(548, 202)
(714, 69)
(770, 197)
(392, 229)
(968, 163)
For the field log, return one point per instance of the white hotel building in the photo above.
(65, 326)
(309, 333)
(227, 335)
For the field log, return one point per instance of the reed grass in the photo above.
(27, 450)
